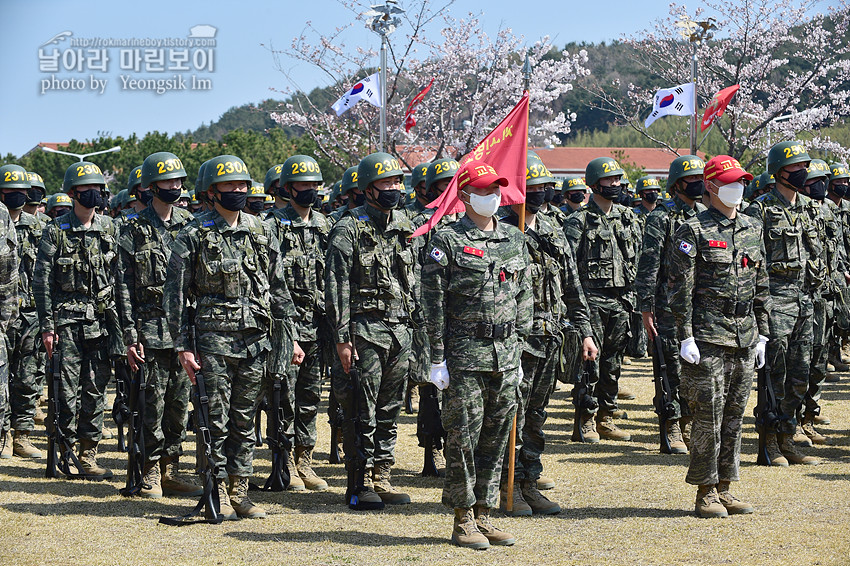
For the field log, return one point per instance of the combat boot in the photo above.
(624, 393)
(225, 510)
(385, 490)
(366, 500)
(607, 429)
(838, 363)
(544, 483)
(88, 461)
(303, 461)
(520, 507)
(822, 420)
(539, 503)
(674, 437)
(832, 377)
(465, 532)
(685, 425)
(39, 416)
(811, 433)
(773, 452)
(6, 444)
(800, 438)
(733, 505)
(439, 461)
(106, 434)
(588, 429)
(627, 361)
(240, 502)
(496, 537)
(708, 504)
(151, 481)
(295, 481)
(794, 456)
(22, 446)
(173, 483)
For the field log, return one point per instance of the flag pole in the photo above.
(509, 504)
(694, 113)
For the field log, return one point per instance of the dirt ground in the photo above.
(623, 503)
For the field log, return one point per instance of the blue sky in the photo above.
(35, 108)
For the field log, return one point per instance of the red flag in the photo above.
(505, 149)
(718, 105)
(409, 120)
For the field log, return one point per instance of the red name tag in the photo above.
(474, 251)
(716, 244)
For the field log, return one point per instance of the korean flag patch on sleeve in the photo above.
(438, 255)
(685, 247)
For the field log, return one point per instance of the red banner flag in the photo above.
(409, 120)
(718, 105)
(505, 149)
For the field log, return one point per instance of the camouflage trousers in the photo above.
(234, 387)
(85, 374)
(717, 390)
(789, 353)
(478, 411)
(535, 389)
(166, 405)
(4, 387)
(670, 346)
(609, 321)
(305, 387)
(383, 377)
(822, 334)
(26, 372)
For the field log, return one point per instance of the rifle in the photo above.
(208, 471)
(60, 451)
(121, 405)
(430, 427)
(582, 400)
(335, 418)
(356, 456)
(277, 440)
(663, 400)
(767, 413)
(136, 435)
(258, 423)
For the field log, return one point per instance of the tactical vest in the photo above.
(790, 238)
(606, 258)
(304, 265)
(29, 230)
(83, 267)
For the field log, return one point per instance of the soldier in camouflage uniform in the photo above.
(271, 185)
(838, 194)
(719, 296)
(134, 204)
(417, 184)
(369, 299)
(144, 246)
(648, 189)
(9, 305)
(256, 202)
(26, 378)
(35, 197)
(604, 242)
(227, 264)
(479, 306)
(793, 255)
(558, 302)
(73, 285)
(303, 237)
(354, 197)
(685, 183)
(575, 193)
(57, 205)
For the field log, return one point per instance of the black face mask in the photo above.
(549, 194)
(89, 199)
(34, 194)
(533, 201)
(625, 198)
(168, 196)
(14, 200)
(305, 198)
(817, 190)
(839, 190)
(145, 197)
(611, 193)
(558, 199)
(695, 189)
(650, 196)
(575, 196)
(796, 179)
(283, 193)
(359, 199)
(233, 201)
(388, 199)
(256, 206)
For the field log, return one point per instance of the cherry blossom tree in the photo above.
(478, 79)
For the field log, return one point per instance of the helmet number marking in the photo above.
(168, 165)
(88, 169)
(230, 167)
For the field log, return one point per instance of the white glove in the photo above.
(439, 375)
(689, 351)
(760, 349)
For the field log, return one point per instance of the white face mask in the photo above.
(485, 205)
(732, 194)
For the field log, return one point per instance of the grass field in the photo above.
(623, 503)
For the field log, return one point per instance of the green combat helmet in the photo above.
(58, 199)
(817, 168)
(683, 166)
(272, 175)
(14, 177)
(647, 183)
(418, 175)
(838, 171)
(134, 180)
(300, 168)
(536, 172)
(573, 183)
(161, 166)
(225, 168)
(349, 181)
(437, 171)
(602, 167)
(786, 153)
(38, 190)
(82, 173)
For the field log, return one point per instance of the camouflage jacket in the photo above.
(554, 215)
(641, 213)
(604, 246)
(9, 275)
(29, 229)
(717, 284)
(235, 278)
(74, 277)
(144, 247)
(792, 243)
(835, 255)
(369, 277)
(477, 297)
(303, 246)
(658, 230)
(126, 215)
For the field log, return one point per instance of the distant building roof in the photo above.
(563, 161)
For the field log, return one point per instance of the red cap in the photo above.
(478, 174)
(724, 169)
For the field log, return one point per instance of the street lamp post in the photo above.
(384, 21)
(695, 32)
(80, 156)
